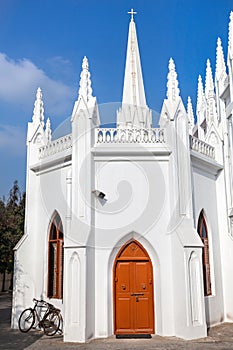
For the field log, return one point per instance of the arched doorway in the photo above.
(133, 291)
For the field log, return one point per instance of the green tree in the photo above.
(11, 228)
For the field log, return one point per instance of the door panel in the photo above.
(134, 307)
(123, 299)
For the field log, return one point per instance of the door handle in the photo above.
(136, 294)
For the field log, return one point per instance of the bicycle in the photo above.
(49, 318)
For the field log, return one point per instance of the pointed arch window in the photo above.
(203, 233)
(55, 258)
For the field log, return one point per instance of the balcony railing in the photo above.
(202, 147)
(56, 146)
(120, 135)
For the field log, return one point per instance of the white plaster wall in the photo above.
(46, 194)
(136, 206)
(204, 188)
(226, 245)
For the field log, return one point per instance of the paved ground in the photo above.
(219, 338)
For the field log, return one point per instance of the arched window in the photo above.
(55, 258)
(203, 233)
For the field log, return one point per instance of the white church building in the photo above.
(129, 230)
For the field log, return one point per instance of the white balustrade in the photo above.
(202, 147)
(56, 146)
(113, 135)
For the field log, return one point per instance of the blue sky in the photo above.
(42, 43)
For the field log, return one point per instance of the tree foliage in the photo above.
(12, 213)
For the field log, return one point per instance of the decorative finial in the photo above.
(173, 91)
(85, 64)
(38, 112)
(132, 12)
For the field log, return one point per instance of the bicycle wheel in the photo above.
(51, 323)
(26, 320)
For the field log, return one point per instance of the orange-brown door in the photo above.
(134, 307)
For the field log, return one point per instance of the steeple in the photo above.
(134, 111)
(133, 91)
(85, 89)
(191, 120)
(173, 92)
(220, 72)
(38, 112)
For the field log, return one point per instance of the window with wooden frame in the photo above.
(203, 233)
(55, 258)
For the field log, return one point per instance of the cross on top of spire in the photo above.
(132, 12)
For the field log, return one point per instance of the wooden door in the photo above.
(133, 282)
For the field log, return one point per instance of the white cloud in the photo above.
(12, 140)
(19, 81)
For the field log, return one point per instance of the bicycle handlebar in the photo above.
(51, 306)
(39, 301)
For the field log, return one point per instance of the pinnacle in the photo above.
(190, 115)
(85, 89)
(173, 91)
(220, 71)
(209, 83)
(38, 112)
(48, 130)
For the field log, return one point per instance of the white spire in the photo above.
(209, 83)
(38, 112)
(220, 72)
(48, 132)
(191, 120)
(134, 112)
(173, 92)
(230, 37)
(85, 89)
(133, 91)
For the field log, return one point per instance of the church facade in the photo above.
(129, 230)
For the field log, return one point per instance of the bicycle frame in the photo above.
(43, 315)
(39, 319)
